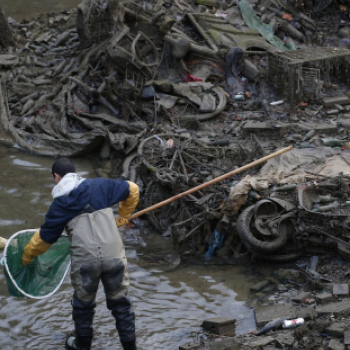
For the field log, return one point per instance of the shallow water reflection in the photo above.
(170, 305)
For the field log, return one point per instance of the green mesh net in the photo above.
(44, 276)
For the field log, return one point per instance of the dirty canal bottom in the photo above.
(170, 304)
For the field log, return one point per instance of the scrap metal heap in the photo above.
(183, 92)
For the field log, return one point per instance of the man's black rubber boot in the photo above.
(83, 313)
(124, 318)
(71, 344)
(130, 345)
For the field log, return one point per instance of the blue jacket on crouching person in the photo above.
(99, 193)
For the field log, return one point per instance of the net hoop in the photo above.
(4, 262)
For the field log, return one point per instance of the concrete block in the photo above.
(307, 313)
(338, 309)
(267, 129)
(329, 127)
(323, 298)
(336, 329)
(300, 297)
(224, 344)
(268, 313)
(286, 339)
(220, 325)
(256, 342)
(340, 100)
(190, 346)
(340, 289)
(347, 338)
(335, 345)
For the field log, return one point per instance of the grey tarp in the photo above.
(211, 100)
(198, 93)
(296, 166)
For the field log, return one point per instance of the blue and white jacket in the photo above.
(71, 197)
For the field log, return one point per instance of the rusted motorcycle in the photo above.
(313, 219)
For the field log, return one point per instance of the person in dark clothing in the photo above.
(83, 208)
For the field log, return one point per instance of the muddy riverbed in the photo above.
(170, 304)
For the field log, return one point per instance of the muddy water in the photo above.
(170, 304)
(27, 9)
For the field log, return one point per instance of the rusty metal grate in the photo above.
(309, 82)
(299, 75)
(94, 21)
(101, 26)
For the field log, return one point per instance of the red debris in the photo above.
(188, 77)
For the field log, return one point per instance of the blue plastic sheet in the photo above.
(217, 240)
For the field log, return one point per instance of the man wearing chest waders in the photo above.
(83, 208)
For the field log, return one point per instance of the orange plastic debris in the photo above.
(288, 17)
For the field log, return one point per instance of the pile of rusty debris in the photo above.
(182, 92)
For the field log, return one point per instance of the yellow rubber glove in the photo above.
(121, 221)
(127, 206)
(35, 247)
(3, 242)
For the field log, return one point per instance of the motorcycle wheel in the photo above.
(253, 239)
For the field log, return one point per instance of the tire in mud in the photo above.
(255, 241)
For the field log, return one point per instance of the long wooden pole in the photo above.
(199, 187)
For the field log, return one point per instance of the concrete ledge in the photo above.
(338, 309)
(268, 129)
(339, 100)
(268, 313)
